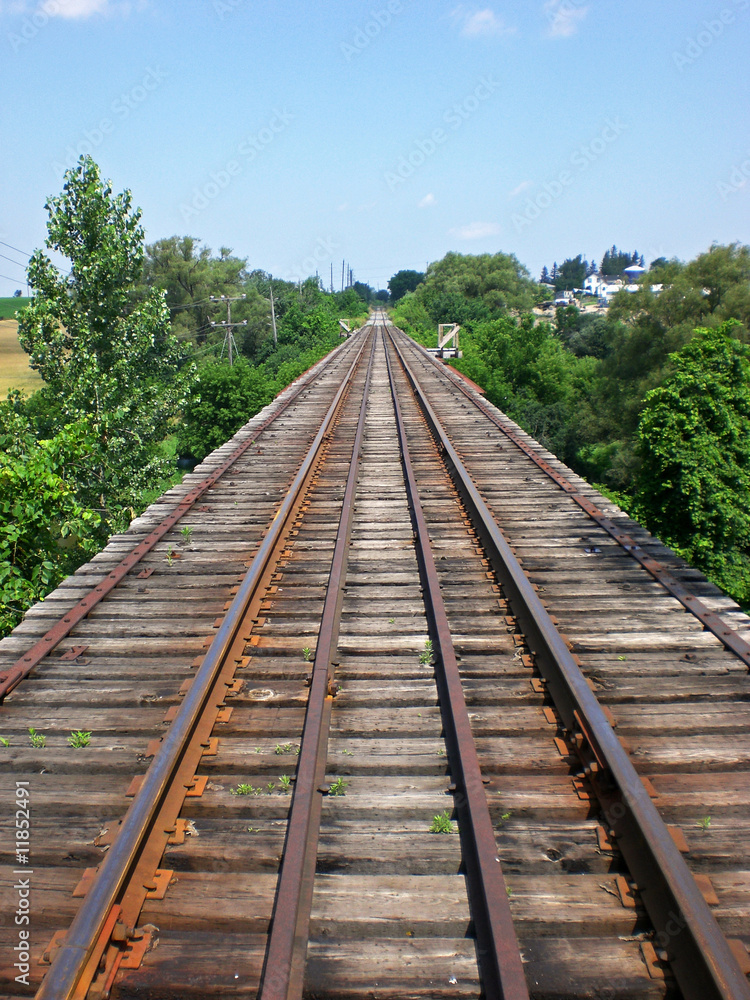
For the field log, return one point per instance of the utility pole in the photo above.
(229, 341)
(343, 265)
(273, 320)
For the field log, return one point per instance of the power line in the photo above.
(14, 280)
(28, 256)
(22, 252)
(12, 261)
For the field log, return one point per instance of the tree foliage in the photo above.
(45, 532)
(694, 483)
(462, 287)
(615, 261)
(403, 282)
(107, 359)
(571, 274)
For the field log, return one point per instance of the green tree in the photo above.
(224, 398)
(571, 274)
(694, 483)
(45, 532)
(190, 275)
(403, 282)
(463, 288)
(107, 358)
(615, 261)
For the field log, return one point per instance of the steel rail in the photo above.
(11, 676)
(284, 966)
(500, 964)
(711, 621)
(700, 956)
(70, 962)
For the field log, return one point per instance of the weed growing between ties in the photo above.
(245, 789)
(37, 740)
(338, 787)
(425, 656)
(442, 823)
(79, 739)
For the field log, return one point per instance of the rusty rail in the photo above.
(284, 967)
(96, 920)
(500, 965)
(711, 621)
(701, 957)
(11, 676)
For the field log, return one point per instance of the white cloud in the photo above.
(480, 23)
(80, 8)
(71, 10)
(564, 17)
(523, 186)
(475, 231)
(427, 201)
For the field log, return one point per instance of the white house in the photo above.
(602, 288)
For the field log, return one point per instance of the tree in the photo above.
(17, 293)
(403, 282)
(189, 275)
(615, 261)
(466, 287)
(544, 278)
(571, 274)
(108, 360)
(224, 398)
(45, 533)
(365, 292)
(694, 484)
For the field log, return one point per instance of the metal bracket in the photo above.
(156, 888)
(74, 652)
(137, 948)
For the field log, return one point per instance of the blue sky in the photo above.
(386, 133)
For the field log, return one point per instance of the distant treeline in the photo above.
(650, 400)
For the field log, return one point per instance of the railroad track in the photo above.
(390, 707)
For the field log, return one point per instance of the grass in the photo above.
(14, 361)
(9, 306)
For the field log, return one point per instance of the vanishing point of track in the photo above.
(382, 611)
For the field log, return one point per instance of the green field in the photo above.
(14, 362)
(8, 306)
